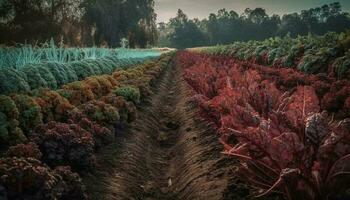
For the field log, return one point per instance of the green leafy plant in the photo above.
(129, 93)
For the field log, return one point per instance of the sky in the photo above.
(167, 9)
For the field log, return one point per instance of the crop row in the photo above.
(65, 128)
(289, 131)
(53, 74)
(20, 56)
(328, 54)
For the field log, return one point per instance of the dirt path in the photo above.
(166, 154)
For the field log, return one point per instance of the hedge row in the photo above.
(54, 75)
(66, 128)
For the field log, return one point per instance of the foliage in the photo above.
(53, 75)
(53, 106)
(129, 93)
(29, 178)
(100, 112)
(29, 150)
(30, 114)
(137, 24)
(227, 26)
(127, 110)
(10, 132)
(79, 22)
(73, 187)
(284, 142)
(65, 144)
(309, 54)
(102, 135)
(12, 81)
(77, 93)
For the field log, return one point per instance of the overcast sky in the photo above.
(167, 9)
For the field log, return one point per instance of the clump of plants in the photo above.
(30, 150)
(129, 93)
(65, 144)
(53, 106)
(30, 114)
(10, 131)
(100, 112)
(28, 178)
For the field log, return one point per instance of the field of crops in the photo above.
(56, 114)
(266, 119)
(27, 68)
(329, 54)
(288, 129)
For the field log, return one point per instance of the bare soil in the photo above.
(166, 154)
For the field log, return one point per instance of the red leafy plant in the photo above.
(284, 143)
(30, 150)
(282, 153)
(28, 178)
(101, 135)
(100, 112)
(65, 144)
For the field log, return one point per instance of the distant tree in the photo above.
(78, 22)
(114, 19)
(226, 27)
(31, 20)
(292, 24)
(185, 32)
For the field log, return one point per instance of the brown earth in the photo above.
(166, 154)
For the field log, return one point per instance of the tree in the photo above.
(78, 22)
(185, 32)
(292, 24)
(115, 19)
(31, 20)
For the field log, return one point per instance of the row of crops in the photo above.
(288, 131)
(311, 54)
(53, 73)
(18, 57)
(54, 134)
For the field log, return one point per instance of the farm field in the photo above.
(186, 125)
(119, 106)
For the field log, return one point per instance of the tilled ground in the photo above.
(166, 153)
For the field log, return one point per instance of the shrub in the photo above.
(102, 135)
(341, 66)
(59, 74)
(65, 144)
(69, 72)
(54, 107)
(46, 74)
(100, 112)
(28, 178)
(129, 93)
(29, 150)
(100, 85)
(82, 70)
(35, 80)
(77, 93)
(95, 66)
(30, 114)
(127, 110)
(12, 81)
(10, 133)
(73, 187)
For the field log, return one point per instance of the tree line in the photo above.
(78, 22)
(226, 27)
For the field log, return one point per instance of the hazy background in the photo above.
(167, 9)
